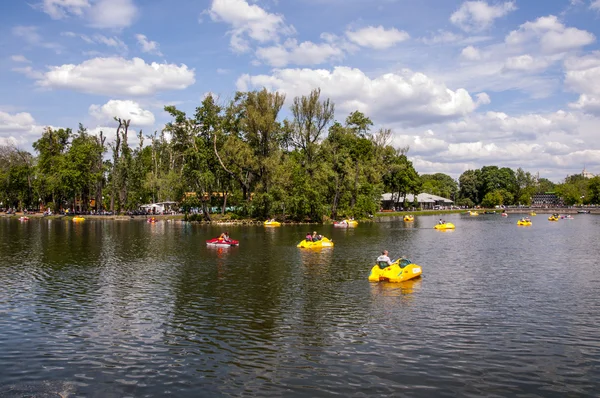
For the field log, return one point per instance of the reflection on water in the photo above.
(129, 308)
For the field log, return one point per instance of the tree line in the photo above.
(240, 154)
(492, 186)
(243, 155)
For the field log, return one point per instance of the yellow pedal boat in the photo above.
(409, 218)
(473, 213)
(401, 270)
(533, 213)
(447, 225)
(552, 218)
(315, 245)
(524, 222)
(272, 224)
(77, 219)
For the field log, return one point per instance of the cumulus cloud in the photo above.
(148, 46)
(595, 5)
(112, 14)
(582, 75)
(18, 128)
(407, 97)
(550, 35)
(122, 109)
(471, 53)
(117, 76)
(305, 53)
(377, 37)
(248, 21)
(499, 126)
(479, 15)
(526, 63)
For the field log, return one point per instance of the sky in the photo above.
(463, 84)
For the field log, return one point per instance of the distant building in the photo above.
(587, 174)
(546, 199)
(425, 200)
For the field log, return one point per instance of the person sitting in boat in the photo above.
(224, 236)
(316, 237)
(384, 259)
(441, 222)
(308, 237)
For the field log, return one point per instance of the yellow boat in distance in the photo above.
(409, 218)
(324, 242)
(272, 223)
(444, 226)
(524, 222)
(553, 218)
(77, 219)
(533, 213)
(473, 213)
(399, 271)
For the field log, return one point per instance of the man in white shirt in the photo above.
(384, 258)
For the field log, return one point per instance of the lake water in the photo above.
(128, 308)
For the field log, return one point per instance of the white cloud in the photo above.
(595, 5)
(550, 35)
(111, 14)
(148, 46)
(499, 126)
(248, 22)
(583, 77)
(58, 9)
(305, 53)
(122, 109)
(407, 98)
(116, 76)
(526, 63)
(471, 53)
(377, 37)
(18, 128)
(20, 58)
(442, 37)
(479, 15)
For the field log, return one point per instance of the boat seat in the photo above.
(383, 264)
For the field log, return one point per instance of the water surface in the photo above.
(127, 308)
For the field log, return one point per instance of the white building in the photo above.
(158, 208)
(425, 200)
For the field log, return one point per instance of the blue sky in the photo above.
(462, 83)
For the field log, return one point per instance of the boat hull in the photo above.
(222, 243)
(445, 226)
(315, 245)
(272, 224)
(345, 224)
(395, 273)
(524, 223)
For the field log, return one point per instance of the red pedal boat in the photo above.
(222, 242)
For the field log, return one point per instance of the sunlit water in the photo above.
(128, 308)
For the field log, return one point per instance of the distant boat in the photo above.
(583, 211)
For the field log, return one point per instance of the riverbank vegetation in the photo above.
(242, 155)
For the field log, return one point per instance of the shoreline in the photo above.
(378, 217)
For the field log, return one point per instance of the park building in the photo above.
(426, 201)
(546, 199)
